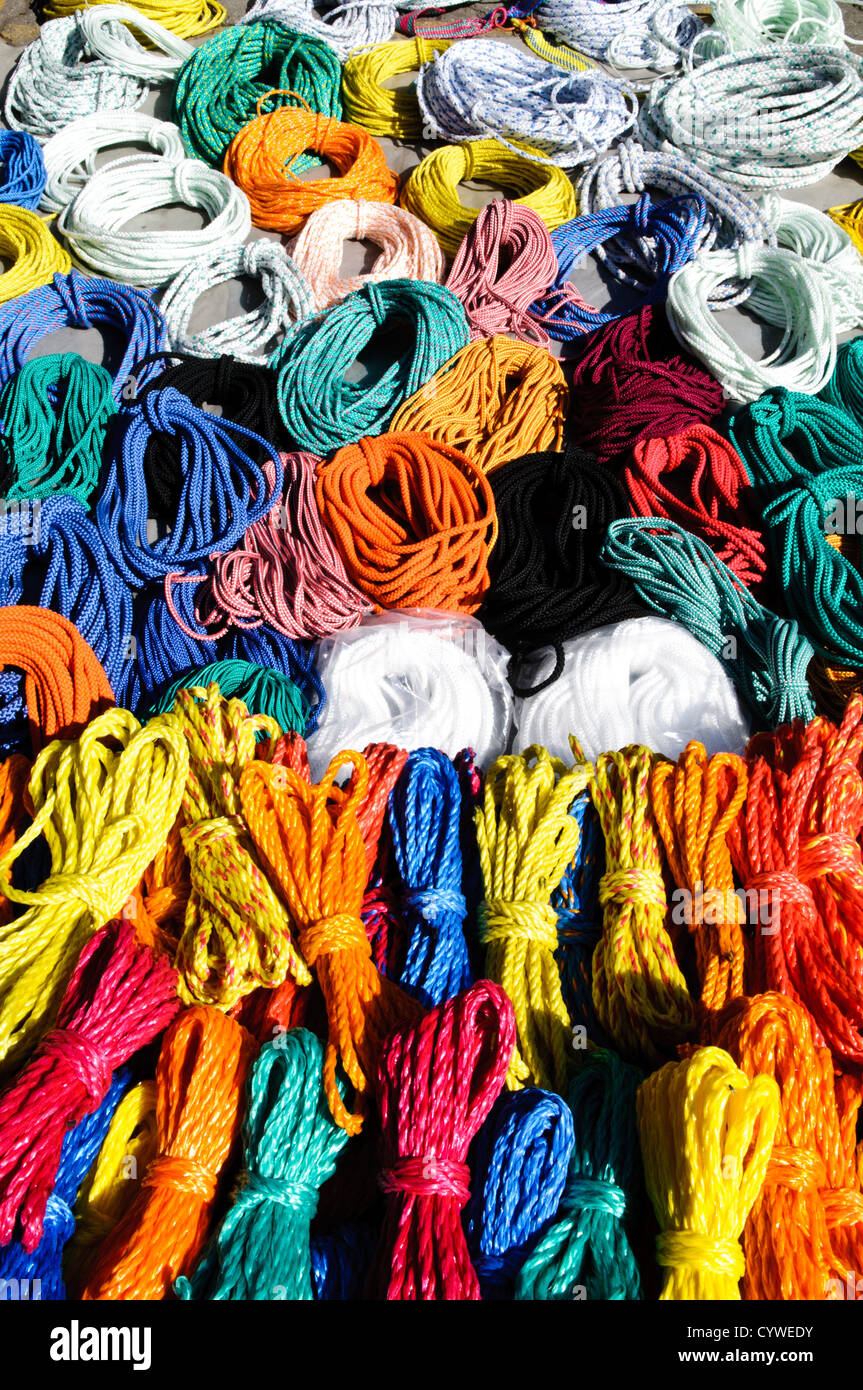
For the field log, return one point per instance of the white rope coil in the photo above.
(70, 155)
(409, 249)
(53, 82)
(628, 34)
(480, 88)
(107, 32)
(806, 355)
(746, 24)
(344, 28)
(94, 222)
(642, 681)
(251, 337)
(417, 680)
(827, 248)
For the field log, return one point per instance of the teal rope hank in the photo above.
(291, 1144)
(586, 1252)
(262, 691)
(321, 409)
(679, 576)
(805, 458)
(845, 387)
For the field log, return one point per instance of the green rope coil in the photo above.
(845, 387)
(262, 691)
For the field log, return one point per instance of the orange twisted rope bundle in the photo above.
(310, 838)
(201, 1079)
(695, 803)
(413, 519)
(260, 155)
(157, 908)
(65, 686)
(805, 1229)
(15, 811)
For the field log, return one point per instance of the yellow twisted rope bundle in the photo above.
(36, 254)
(113, 1181)
(374, 107)
(850, 217)
(639, 992)
(706, 1135)
(104, 803)
(237, 933)
(526, 839)
(183, 17)
(432, 189)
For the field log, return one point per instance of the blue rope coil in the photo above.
(22, 169)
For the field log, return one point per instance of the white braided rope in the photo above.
(746, 24)
(70, 155)
(53, 82)
(409, 249)
(251, 337)
(806, 355)
(107, 31)
(480, 88)
(94, 222)
(827, 248)
(346, 27)
(628, 34)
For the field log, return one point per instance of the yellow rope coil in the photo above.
(369, 104)
(35, 253)
(183, 17)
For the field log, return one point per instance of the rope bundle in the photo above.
(378, 109)
(22, 169)
(437, 1082)
(70, 156)
(107, 31)
(64, 685)
(321, 408)
(262, 691)
(576, 902)
(201, 1077)
(622, 33)
(431, 192)
(408, 251)
(413, 520)
(35, 255)
(495, 400)
(355, 24)
(745, 24)
(183, 17)
(827, 249)
(506, 261)
(845, 387)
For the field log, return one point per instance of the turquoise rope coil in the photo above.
(845, 387)
(263, 691)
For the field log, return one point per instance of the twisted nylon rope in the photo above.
(526, 838)
(309, 837)
(643, 680)
(850, 217)
(506, 261)
(183, 17)
(378, 109)
(290, 1147)
(252, 336)
(219, 87)
(104, 803)
(621, 33)
(698, 479)
(107, 32)
(263, 160)
(201, 1077)
(576, 902)
(357, 24)
(71, 155)
(706, 1132)
(679, 576)
(827, 248)
(118, 998)
(93, 222)
(408, 251)
(588, 1243)
(495, 400)
(22, 169)
(437, 1082)
(262, 691)
(413, 520)
(64, 683)
(431, 192)
(778, 117)
(322, 409)
(35, 256)
(480, 89)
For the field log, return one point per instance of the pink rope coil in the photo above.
(505, 262)
(409, 250)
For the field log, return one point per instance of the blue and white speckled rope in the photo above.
(625, 34)
(344, 28)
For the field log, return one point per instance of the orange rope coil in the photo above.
(65, 685)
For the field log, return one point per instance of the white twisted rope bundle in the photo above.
(70, 155)
(93, 222)
(107, 31)
(829, 251)
(355, 25)
(409, 249)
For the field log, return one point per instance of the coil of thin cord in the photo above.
(64, 684)
(79, 301)
(201, 1078)
(186, 18)
(827, 249)
(218, 87)
(480, 89)
(33, 256)
(587, 1245)
(698, 479)
(526, 838)
(505, 262)
(108, 33)
(495, 400)
(519, 1163)
(22, 169)
(71, 155)
(643, 680)
(806, 1227)
(437, 1082)
(244, 393)
(43, 1272)
(744, 24)
(706, 1134)
(378, 109)
(413, 520)
(55, 412)
(731, 215)
(254, 335)
(290, 1147)
(546, 581)
(431, 192)
(408, 250)
(678, 575)
(321, 409)
(105, 804)
(119, 997)
(639, 992)
(357, 24)
(631, 381)
(845, 387)
(621, 33)
(262, 691)
(50, 84)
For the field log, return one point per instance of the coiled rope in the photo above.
(845, 387)
(827, 249)
(744, 24)
(186, 18)
(506, 261)
(357, 24)
(408, 251)
(34, 255)
(64, 684)
(622, 34)
(71, 155)
(382, 110)
(22, 169)
(107, 31)
(261, 690)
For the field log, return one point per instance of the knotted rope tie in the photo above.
(707, 1258)
(429, 1176)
